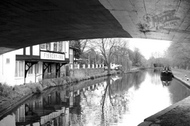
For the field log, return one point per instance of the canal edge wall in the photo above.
(13, 103)
(86, 72)
(12, 106)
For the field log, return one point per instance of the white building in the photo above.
(34, 63)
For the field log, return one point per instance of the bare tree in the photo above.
(122, 57)
(107, 47)
(79, 46)
(84, 44)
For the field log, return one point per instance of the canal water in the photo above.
(122, 100)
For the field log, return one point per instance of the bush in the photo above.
(47, 83)
(39, 89)
(5, 90)
(33, 88)
(58, 81)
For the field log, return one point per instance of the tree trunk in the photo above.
(109, 68)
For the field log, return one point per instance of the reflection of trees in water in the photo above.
(139, 77)
(116, 92)
(123, 84)
(154, 72)
(155, 76)
(90, 103)
(107, 108)
(101, 106)
(111, 99)
(127, 81)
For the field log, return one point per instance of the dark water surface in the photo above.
(122, 100)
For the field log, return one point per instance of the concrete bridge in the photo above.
(29, 22)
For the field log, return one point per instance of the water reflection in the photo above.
(127, 101)
(120, 100)
(109, 104)
(48, 109)
(178, 91)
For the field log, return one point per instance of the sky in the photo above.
(148, 47)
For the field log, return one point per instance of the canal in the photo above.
(121, 100)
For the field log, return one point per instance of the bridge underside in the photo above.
(29, 22)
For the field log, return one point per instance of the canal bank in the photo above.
(14, 96)
(9, 104)
(177, 114)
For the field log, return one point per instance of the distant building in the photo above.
(34, 63)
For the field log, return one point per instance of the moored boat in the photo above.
(166, 74)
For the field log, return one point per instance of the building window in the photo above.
(55, 46)
(48, 46)
(19, 69)
(42, 46)
(60, 47)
